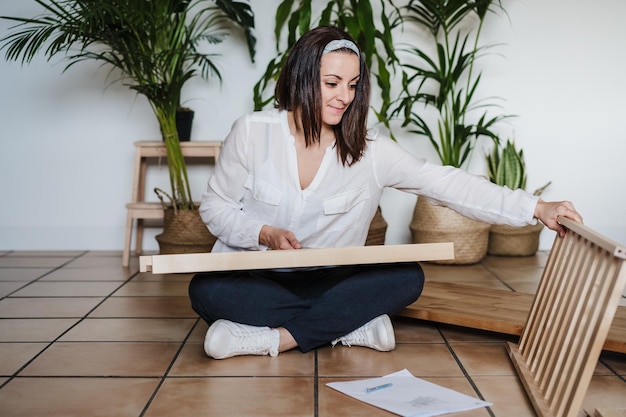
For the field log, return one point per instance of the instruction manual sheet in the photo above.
(404, 394)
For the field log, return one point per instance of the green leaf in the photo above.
(282, 15)
(506, 166)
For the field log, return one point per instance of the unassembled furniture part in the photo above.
(229, 261)
(569, 320)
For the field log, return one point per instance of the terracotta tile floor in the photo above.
(82, 336)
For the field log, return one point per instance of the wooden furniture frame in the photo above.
(138, 209)
(569, 320)
(230, 261)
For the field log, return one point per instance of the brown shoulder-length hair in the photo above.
(298, 89)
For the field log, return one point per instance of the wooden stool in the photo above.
(140, 210)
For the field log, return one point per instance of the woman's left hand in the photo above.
(548, 211)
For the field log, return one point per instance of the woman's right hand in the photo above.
(278, 239)
(549, 211)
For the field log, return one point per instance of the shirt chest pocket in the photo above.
(264, 198)
(342, 213)
(344, 202)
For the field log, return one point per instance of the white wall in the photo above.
(66, 141)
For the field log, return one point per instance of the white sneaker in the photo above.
(376, 334)
(225, 339)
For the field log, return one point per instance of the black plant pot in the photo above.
(184, 121)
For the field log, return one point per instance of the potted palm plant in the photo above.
(374, 34)
(444, 82)
(154, 47)
(507, 167)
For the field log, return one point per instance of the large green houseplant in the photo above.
(441, 78)
(506, 166)
(445, 79)
(372, 31)
(153, 47)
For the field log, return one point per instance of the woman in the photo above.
(307, 175)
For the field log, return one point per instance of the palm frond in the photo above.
(155, 46)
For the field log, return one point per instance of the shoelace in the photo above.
(357, 337)
(253, 341)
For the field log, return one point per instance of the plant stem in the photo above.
(179, 180)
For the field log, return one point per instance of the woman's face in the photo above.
(339, 74)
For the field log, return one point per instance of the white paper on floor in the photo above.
(404, 394)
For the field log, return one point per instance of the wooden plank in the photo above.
(494, 310)
(231, 261)
(489, 309)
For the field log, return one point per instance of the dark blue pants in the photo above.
(315, 306)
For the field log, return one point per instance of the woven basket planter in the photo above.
(377, 230)
(184, 232)
(435, 224)
(507, 240)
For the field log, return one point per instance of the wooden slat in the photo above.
(230, 261)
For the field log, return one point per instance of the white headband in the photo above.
(341, 43)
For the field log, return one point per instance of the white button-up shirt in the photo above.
(256, 183)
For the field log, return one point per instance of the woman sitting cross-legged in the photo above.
(309, 174)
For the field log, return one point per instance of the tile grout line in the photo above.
(610, 368)
(316, 390)
(464, 371)
(54, 269)
(81, 319)
(497, 276)
(12, 376)
(169, 368)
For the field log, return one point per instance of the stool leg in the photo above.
(139, 244)
(127, 238)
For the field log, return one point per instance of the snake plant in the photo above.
(506, 166)
(156, 46)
